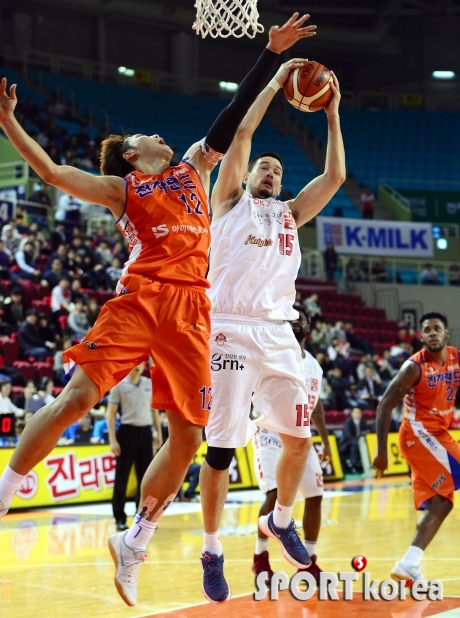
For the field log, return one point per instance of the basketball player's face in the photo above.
(264, 180)
(150, 147)
(300, 327)
(434, 335)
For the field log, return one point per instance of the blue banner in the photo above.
(368, 237)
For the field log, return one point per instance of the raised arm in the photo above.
(107, 191)
(228, 190)
(222, 132)
(314, 197)
(407, 378)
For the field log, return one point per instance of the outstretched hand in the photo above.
(7, 102)
(284, 37)
(284, 70)
(333, 106)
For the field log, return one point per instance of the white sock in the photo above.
(261, 545)
(282, 515)
(212, 544)
(310, 546)
(140, 533)
(9, 484)
(413, 556)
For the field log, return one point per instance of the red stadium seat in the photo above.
(27, 369)
(9, 348)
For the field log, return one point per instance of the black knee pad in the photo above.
(219, 458)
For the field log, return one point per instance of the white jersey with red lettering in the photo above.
(254, 260)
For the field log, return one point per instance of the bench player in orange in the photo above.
(161, 309)
(428, 382)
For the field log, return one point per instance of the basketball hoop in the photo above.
(224, 18)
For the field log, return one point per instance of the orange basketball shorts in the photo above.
(167, 322)
(434, 458)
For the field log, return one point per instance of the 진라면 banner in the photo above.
(369, 237)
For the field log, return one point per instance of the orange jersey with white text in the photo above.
(166, 224)
(431, 401)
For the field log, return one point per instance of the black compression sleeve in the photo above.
(223, 130)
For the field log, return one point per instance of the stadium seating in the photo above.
(417, 146)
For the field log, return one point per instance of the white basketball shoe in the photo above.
(127, 562)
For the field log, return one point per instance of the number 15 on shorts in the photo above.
(303, 415)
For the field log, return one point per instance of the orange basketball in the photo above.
(308, 88)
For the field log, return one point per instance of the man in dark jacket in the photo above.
(31, 343)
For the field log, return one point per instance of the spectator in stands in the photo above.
(331, 261)
(31, 342)
(77, 291)
(318, 335)
(336, 332)
(311, 303)
(386, 370)
(69, 208)
(58, 236)
(31, 237)
(341, 396)
(11, 237)
(92, 311)
(193, 478)
(54, 274)
(370, 388)
(365, 361)
(41, 195)
(429, 275)
(46, 330)
(414, 340)
(13, 309)
(46, 390)
(60, 297)
(379, 272)
(357, 343)
(27, 267)
(367, 200)
(22, 400)
(100, 433)
(6, 405)
(5, 262)
(78, 324)
(113, 273)
(353, 428)
(103, 253)
(58, 363)
(80, 432)
(454, 274)
(354, 272)
(324, 360)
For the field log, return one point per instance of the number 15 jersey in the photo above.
(166, 225)
(254, 261)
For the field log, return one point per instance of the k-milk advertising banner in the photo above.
(368, 237)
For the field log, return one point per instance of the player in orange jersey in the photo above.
(428, 381)
(161, 309)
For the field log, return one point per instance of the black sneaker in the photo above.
(120, 526)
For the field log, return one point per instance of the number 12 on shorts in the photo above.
(303, 415)
(206, 397)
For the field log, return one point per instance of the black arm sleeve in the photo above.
(223, 130)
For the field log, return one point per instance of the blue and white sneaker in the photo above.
(293, 549)
(215, 588)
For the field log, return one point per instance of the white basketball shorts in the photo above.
(259, 361)
(267, 450)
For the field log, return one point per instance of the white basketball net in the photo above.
(224, 18)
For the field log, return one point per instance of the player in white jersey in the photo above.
(267, 450)
(255, 257)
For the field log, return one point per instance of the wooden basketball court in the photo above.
(55, 562)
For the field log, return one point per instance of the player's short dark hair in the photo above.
(112, 161)
(301, 309)
(273, 155)
(433, 315)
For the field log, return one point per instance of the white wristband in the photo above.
(274, 84)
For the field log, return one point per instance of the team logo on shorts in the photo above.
(91, 345)
(220, 339)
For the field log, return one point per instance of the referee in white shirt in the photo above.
(133, 442)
